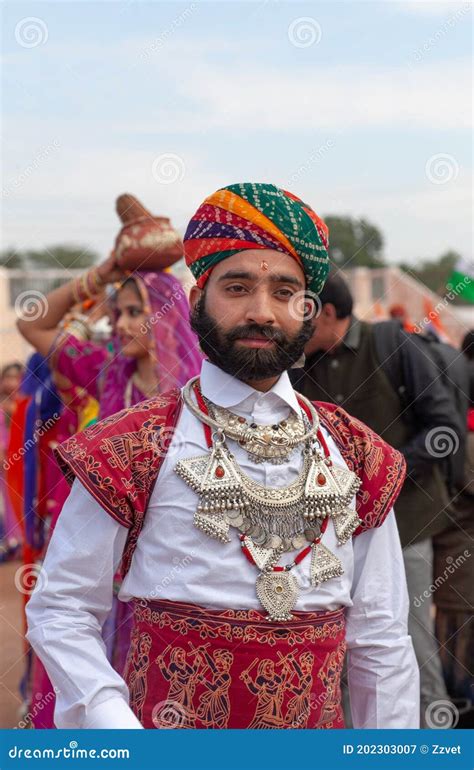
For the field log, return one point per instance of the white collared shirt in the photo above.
(174, 560)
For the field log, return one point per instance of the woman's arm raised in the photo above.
(41, 331)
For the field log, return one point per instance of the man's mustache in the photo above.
(252, 330)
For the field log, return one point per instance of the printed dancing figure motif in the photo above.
(330, 676)
(214, 705)
(136, 671)
(300, 705)
(269, 687)
(183, 677)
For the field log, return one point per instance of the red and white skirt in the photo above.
(192, 667)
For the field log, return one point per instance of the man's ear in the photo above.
(194, 296)
(329, 311)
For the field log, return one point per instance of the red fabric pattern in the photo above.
(118, 460)
(380, 467)
(191, 667)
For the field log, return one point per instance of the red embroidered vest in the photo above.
(118, 461)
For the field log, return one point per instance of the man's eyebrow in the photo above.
(237, 274)
(281, 278)
(273, 277)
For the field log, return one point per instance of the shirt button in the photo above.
(334, 363)
(339, 398)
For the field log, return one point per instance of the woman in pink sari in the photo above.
(152, 349)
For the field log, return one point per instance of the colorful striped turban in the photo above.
(256, 216)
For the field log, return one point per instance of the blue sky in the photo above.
(361, 108)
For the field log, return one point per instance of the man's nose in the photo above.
(260, 309)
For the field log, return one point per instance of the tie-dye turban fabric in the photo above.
(256, 216)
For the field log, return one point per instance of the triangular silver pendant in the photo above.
(220, 474)
(262, 557)
(345, 524)
(212, 472)
(320, 483)
(213, 525)
(192, 471)
(324, 565)
(347, 481)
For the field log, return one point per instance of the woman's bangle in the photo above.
(87, 286)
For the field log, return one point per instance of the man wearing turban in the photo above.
(249, 522)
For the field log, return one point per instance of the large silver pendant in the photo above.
(277, 592)
(273, 518)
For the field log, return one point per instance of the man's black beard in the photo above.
(248, 364)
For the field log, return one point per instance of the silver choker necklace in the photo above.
(263, 443)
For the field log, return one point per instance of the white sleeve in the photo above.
(66, 612)
(382, 669)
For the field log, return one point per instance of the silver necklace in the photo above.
(272, 520)
(272, 443)
(263, 443)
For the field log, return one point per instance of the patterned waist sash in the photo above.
(192, 667)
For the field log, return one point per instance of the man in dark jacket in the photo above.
(453, 573)
(419, 418)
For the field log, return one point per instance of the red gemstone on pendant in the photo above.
(220, 472)
(321, 479)
(241, 419)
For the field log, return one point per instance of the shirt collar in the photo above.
(227, 391)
